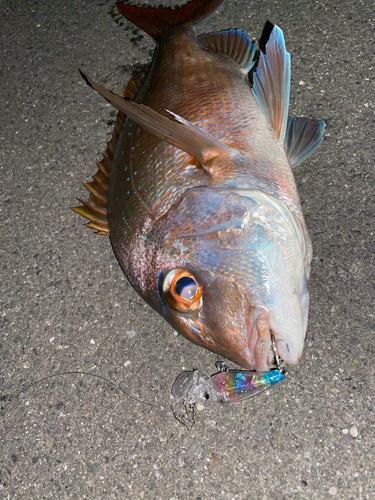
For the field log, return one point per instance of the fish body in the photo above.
(197, 193)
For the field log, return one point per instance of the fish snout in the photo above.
(287, 353)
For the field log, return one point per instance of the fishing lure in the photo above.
(229, 386)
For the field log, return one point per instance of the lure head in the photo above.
(229, 272)
(184, 386)
(191, 387)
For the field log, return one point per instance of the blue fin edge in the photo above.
(271, 86)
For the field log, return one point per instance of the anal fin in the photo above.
(234, 43)
(271, 86)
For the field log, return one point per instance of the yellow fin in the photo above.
(95, 209)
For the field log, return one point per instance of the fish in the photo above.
(196, 190)
(230, 386)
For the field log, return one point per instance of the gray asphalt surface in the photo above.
(66, 306)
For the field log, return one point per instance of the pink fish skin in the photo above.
(196, 189)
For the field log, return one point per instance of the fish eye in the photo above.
(186, 287)
(181, 290)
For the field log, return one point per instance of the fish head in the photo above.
(230, 269)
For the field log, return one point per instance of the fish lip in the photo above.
(262, 340)
(284, 352)
(259, 339)
(277, 345)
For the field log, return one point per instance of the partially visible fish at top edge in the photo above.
(196, 189)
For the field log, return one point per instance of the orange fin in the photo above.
(95, 209)
(233, 43)
(182, 134)
(155, 21)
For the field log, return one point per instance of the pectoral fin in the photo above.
(303, 136)
(181, 133)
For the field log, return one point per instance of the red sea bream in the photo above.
(196, 189)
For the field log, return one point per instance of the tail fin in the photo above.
(155, 21)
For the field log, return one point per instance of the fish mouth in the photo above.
(267, 348)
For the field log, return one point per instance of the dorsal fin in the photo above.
(303, 136)
(272, 82)
(95, 209)
(233, 43)
(157, 20)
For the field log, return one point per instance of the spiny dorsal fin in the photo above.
(303, 136)
(272, 82)
(233, 43)
(182, 134)
(95, 209)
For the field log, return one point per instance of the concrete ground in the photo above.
(66, 306)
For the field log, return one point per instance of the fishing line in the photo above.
(22, 391)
